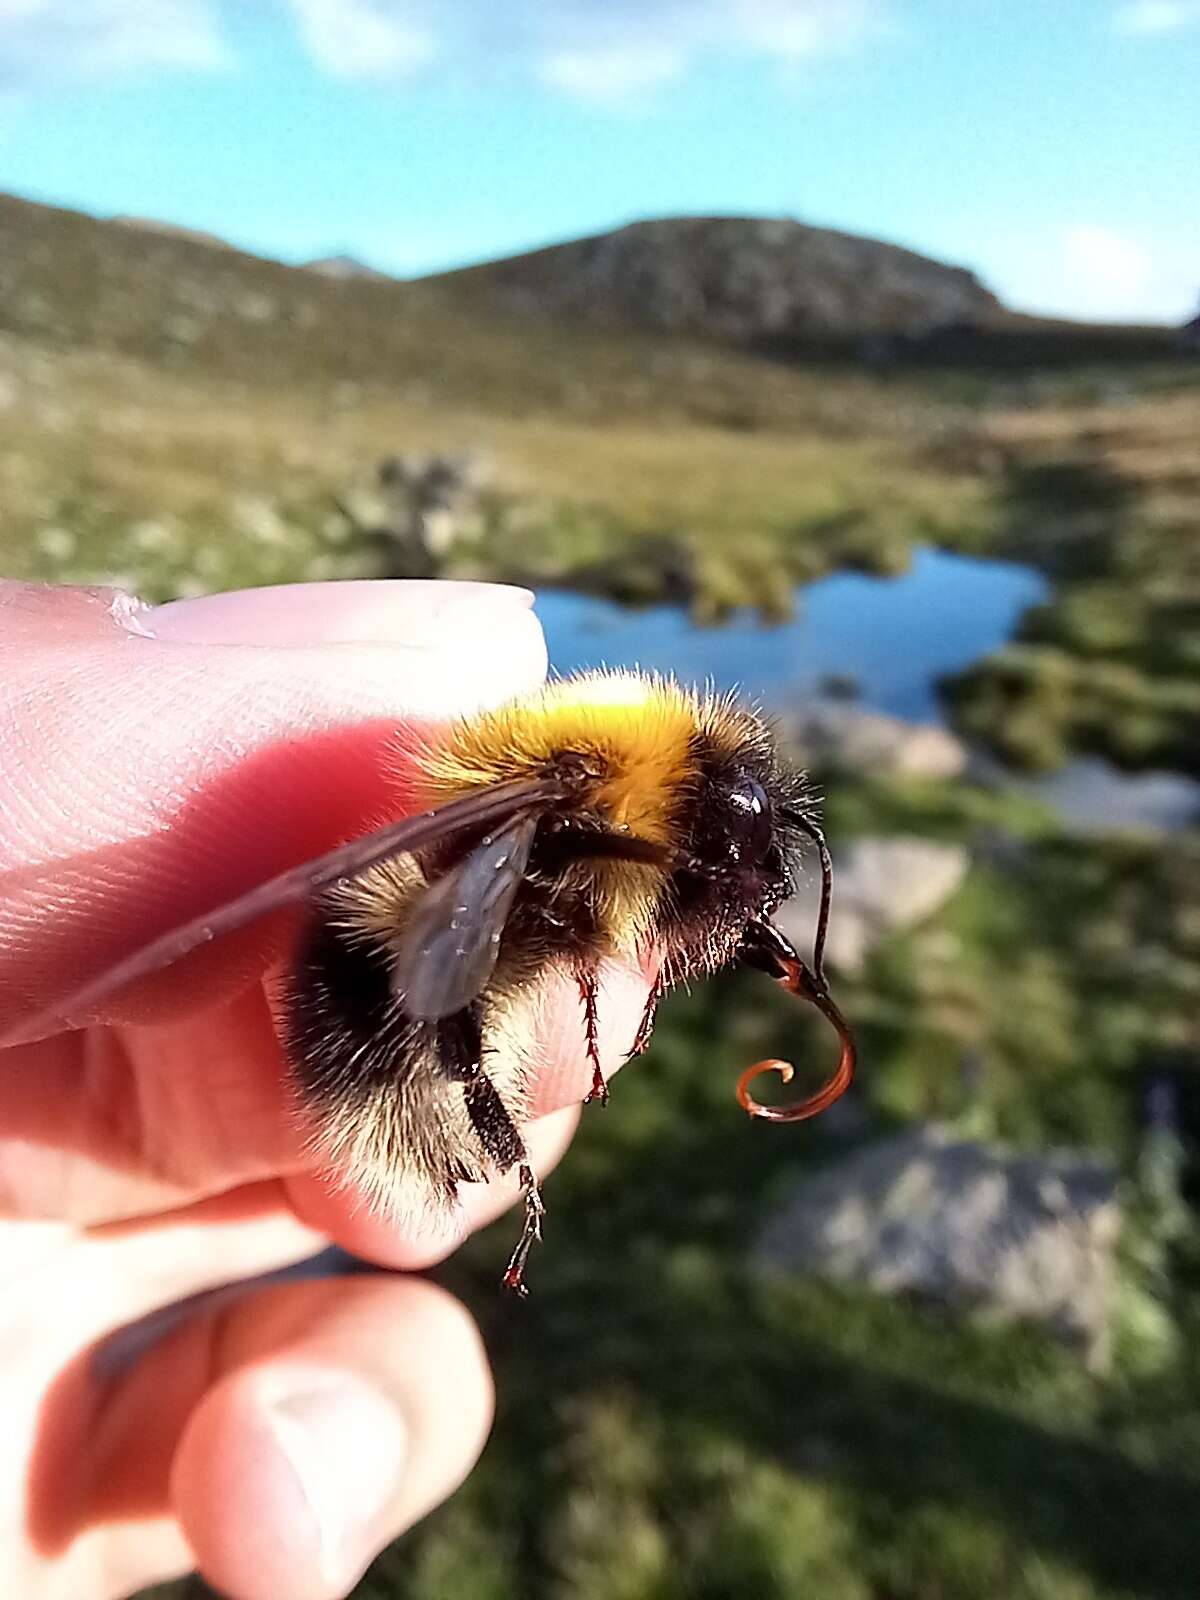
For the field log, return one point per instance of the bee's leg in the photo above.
(531, 1233)
(586, 979)
(462, 1052)
(645, 1031)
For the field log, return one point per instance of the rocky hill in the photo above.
(343, 267)
(624, 324)
(171, 230)
(750, 280)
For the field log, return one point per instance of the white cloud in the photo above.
(794, 32)
(46, 42)
(1110, 271)
(600, 50)
(1156, 16)
(363, 38)
(609, 75)
(1093, 271)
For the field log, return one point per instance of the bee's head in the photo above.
(740, 845)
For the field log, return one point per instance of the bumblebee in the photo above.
(607, 816)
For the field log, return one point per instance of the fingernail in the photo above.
(346, 1444)
(414, 613)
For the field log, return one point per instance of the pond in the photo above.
(893, 637)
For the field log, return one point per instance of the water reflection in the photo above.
(893, 636)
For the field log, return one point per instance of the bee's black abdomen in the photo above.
(461, 1045)
(347, 1035)
(410, 1094)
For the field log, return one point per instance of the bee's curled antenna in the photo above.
(798, 980)
(764, 946)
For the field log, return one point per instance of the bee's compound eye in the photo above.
(750, 825)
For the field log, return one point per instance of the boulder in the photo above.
(845, 737)
(419, 508)
(880, 885)
(964, 1225)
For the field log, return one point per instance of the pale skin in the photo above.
(151, 761)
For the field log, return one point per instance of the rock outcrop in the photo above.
(832, 735)
(964, 1225)
(880, 886)
(750, 280)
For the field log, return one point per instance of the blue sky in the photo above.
(1053, 145)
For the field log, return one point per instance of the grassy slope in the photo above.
(235, 369)
(184, 417)
(153, 378)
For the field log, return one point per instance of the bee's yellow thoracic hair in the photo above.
(645, 733)
(641, 729)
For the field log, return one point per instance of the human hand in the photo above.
(155, 763)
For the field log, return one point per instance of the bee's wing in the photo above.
(486, 807)
(452, 939)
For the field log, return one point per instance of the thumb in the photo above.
(160, 761)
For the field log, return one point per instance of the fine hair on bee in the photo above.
(607, 816)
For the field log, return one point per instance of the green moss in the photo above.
(1034, 705)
